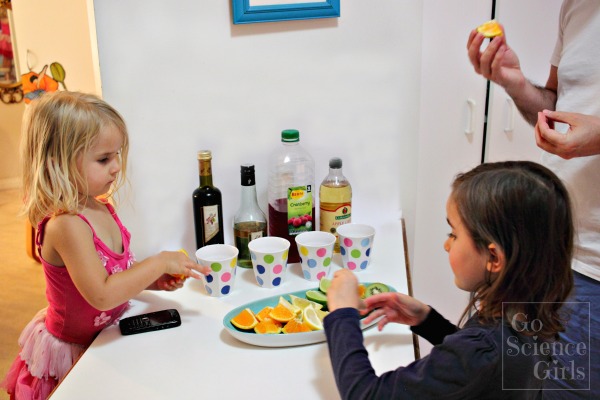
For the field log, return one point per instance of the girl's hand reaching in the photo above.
(178, 267)
(343, 291)
(395, 307)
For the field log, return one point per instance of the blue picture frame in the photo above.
(245, 13)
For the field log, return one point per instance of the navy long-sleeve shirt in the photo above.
(475, 362)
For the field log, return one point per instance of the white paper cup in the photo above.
(222, 260)
(356, 244)
(269, 260)
(316, 250)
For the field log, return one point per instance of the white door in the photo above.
(450, 141)
(531, 28)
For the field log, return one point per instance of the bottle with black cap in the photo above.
(250, 221)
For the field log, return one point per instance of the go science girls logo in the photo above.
(566, 362)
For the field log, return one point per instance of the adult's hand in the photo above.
(581, 139)
(497, 62)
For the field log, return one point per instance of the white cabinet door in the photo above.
(531, 27)
(452, 102)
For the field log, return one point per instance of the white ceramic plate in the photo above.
(279, 340)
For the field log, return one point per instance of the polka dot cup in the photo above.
(269, 260)
(356, 244)
(222, 260)
(316, 250)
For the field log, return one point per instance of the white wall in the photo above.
(52, 30)
(185, 78)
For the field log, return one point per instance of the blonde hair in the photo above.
(57, 128)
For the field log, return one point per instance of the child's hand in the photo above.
(395, 307)
(180, 266)
(169, 282)
(343, 291)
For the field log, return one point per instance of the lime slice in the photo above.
(312, 319)
(324, 284)
(294, 309)
(303, 303)
(317, 297)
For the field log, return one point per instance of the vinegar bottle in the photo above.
(208, 207)
(249, 222)
(335, 200)
(291, 184)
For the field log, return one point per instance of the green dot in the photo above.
(216, 267)
(269, 258)
(326, 261)
(355, 253)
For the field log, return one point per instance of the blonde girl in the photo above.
(74, 155)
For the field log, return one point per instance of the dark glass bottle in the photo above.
(208, 206)
(250, 221)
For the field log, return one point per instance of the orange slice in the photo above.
(362, 291)
(264, 313)
(281, 313)
(245, 320)
(295, 326)
(490, 29)
(268, 326)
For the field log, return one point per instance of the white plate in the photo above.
(277, 340)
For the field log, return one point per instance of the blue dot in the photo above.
(363, 265)
(209, 278)
(253, 256)
(312, 263)
(306, 274)
(208, 290)
(260, 269)
(343, 250)
(260, 281)
(365, 242)
(225, 289)
(277, 281)
(368, 252)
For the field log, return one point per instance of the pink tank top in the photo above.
(69, 316)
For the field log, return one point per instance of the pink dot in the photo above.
(321, 252)
(348, 242)
(320, 275)
(277, 269)
(351, 266)
(226, 277)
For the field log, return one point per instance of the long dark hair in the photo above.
(524, 209)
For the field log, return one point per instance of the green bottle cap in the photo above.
(290, 136)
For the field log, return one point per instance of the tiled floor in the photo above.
(22, 285)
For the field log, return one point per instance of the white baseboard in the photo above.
(10, 183)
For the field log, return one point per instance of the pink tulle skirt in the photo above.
(42, 363)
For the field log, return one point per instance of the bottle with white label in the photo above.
(335, 200)
(291, 189)
(208, 206)
(249, 222)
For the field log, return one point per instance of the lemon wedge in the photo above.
(294, 309)
(311, 318)
(303, 303)
(490, 29)
(321, 314)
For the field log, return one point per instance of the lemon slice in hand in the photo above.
(490, 29)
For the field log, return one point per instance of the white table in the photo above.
(200, 359)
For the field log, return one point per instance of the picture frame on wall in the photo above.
(252, 11)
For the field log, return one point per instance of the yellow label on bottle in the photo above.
(331, 220)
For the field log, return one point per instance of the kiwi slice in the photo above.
(376, 288)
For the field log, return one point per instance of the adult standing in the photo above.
(566, 114)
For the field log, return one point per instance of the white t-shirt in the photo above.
(577, 56)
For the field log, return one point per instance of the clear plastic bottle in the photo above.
(291, 188)
(335, 200)
(250, 221)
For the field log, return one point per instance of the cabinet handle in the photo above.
(510, 116)
(470, 129)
